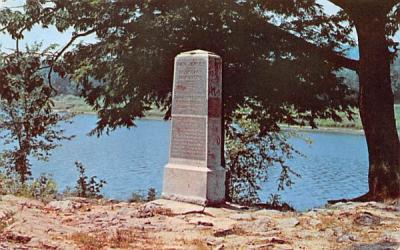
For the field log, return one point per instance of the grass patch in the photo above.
(89, 242)
(198, 244)
(356, 123)
(71, 103)
(124, 239)
(76, 104)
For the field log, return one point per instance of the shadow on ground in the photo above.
(378, 246)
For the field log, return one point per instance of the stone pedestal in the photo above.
(194, 172)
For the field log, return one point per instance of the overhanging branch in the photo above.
(343, 4)
(382, 6)
(330, 55)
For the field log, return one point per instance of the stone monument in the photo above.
(194, 173)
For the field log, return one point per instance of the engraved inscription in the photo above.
(190, 86)
(188, 138)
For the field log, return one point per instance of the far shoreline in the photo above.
(284, 127)
(325, 130)
(77, 105)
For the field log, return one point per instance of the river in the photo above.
(335, 166)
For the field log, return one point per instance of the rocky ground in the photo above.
(98, 224)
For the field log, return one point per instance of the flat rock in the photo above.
(392, 237)
(288, 222)
(214, 241)
(313, 222)
(346, 238)
(240, 216)
(255, 226)
(267, 212)
(344, 205)
(63, 206)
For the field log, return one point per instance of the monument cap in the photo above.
(197, 52)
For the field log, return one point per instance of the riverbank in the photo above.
(334, 130)
(77, 223)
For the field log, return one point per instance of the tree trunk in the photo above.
(376, 104)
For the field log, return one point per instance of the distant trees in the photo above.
(351, 79)
(396, 80)
(64, 85)
(28, 125)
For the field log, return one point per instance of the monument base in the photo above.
(192, 184)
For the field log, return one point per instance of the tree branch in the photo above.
(350, 5)
(343, 4)
(330, 55)
(38, 19)
(59, 54)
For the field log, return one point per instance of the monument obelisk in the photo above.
(194, 172)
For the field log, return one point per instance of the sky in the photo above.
(37, 34)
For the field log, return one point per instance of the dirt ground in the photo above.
(77, 223)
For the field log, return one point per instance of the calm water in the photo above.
(132, 160)
(335, 167)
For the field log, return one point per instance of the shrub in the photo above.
(275, 202)
(141, 196)
(88, 187)
(137, 197)
(42, 187)
(151, 194)
(250, 153)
